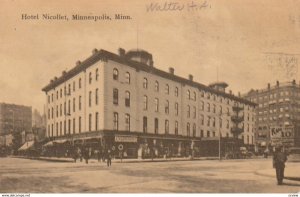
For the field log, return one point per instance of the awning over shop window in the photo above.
(59, 141)
(26, 145)
(48, 144)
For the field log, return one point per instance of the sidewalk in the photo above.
(291, 172)
(64, 159)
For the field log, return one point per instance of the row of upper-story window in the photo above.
(69, 126)
(67, 91)
(190, 95)
(274, 118)
(270, 96)
(65, 108)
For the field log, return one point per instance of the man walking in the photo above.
(108, 157)
(279, 159)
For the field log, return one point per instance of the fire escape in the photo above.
(237, 119)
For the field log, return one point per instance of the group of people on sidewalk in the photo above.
(86, 153)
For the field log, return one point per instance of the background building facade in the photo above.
(122, 99)
(277, 114)
(15, 120)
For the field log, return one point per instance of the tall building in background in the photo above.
(122, 100)
(14, 120)
(277, 114)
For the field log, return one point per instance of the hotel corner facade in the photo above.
(122, 101)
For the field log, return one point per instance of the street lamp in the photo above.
(220, 115)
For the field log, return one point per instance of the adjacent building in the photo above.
(122, 101)
(277, 114)
(14, 119)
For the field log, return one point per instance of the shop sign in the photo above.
(122, 138)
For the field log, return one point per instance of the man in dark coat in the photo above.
(108, 157)
(279, 159)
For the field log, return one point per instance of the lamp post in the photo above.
(220, 134)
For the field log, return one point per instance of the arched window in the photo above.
(127, 77)
(145, 102)
(167, 89)
(194, 130)
(195, 97)
(97, 74)
(90, 78)
(156, 86)
(115, 74)
(188, 94)
(127, 99)
(145, 83)
(188, 111)
(188, 129)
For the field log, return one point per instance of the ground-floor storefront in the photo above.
(125, 145)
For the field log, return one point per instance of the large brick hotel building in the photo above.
(123, 101)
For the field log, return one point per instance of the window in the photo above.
(79, 104)
(166, 126)
(176, 109)
(227, 124)
(214, 122)
(228, 111)
(188, 111)
(145, 102)
(127, 122)
(220, 122)
(115, 74)
(156, 86)
(65, 108)
(202, 133)
(195, 97)
(90, 122)
(56, 110)
(115, 96)
(202, 94)
(156, 125)
(69, 126)
(57, 95)
(96, 121)
(51, 129)
(202, 119)
(127, 77)
(208, 121)
(79, 124)
(208, 134)
(60, 110)
(79, 83)
(145, 126)
(60, 93)
(52, 97)
(74, 86)
(221, 110)
(57, 129)
(69, 107)
(90, 77)
(52, 112)
(74, 105)
(65, 127)
(188, 129)
(96, 96)
(167, 89)
(127, 99)
(116, 121)
(194, 130)
(48, 98)
(176, 91)
(74, 126)
(202, 105)
(156, 101)
(97, 74)
(49, 114)
(208, 107)
(145, 83)
(90, 98)
(176, 127)
(60, 128)
(214, 133)
(188, 94)
(214, 108)
(167, 107)
(194, 112)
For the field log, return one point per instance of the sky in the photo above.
(245, 43)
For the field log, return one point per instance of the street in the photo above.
(205, 176)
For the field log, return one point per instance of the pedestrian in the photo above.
(279, 159)
(108, 157)
(75, 154)
(86, 155)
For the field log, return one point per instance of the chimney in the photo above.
(151, 63)
(230, 92)
(269, 86)
(55, 78)
(64, 72)
(277, 83)
(121, 52)
(190, 77)
(294, 82)
(94, 51)
(171, 70)
(78, 63)
(51, 81)
(239, 94)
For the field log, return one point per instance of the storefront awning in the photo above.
(26, 145)
(48, 144)
(59, 141)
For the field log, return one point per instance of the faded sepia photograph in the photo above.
(150, 96)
